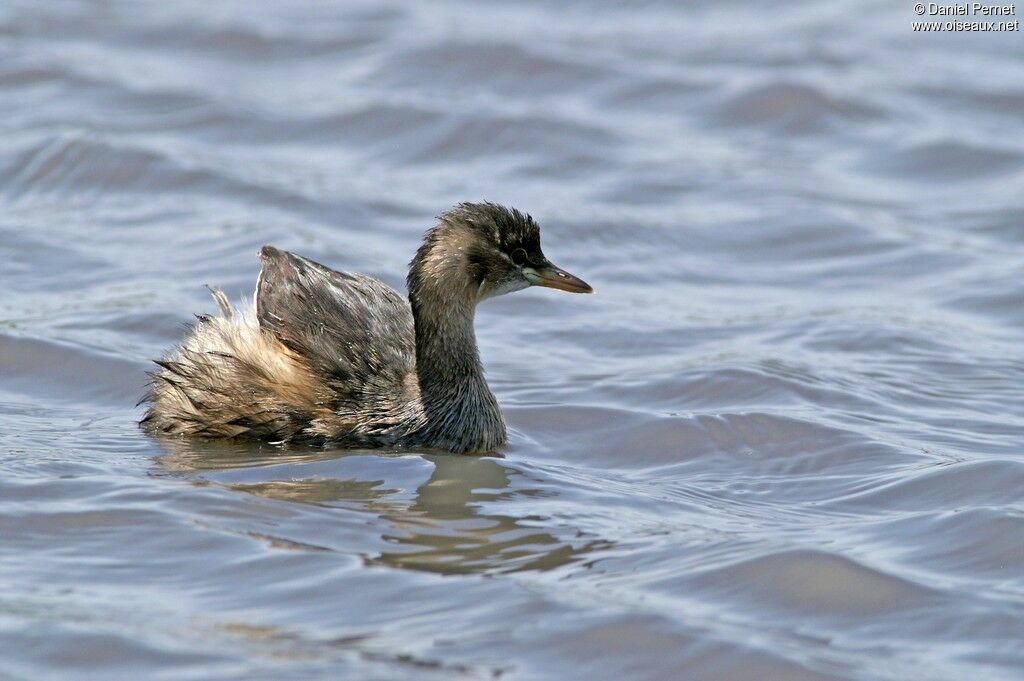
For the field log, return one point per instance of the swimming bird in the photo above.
(342, 359)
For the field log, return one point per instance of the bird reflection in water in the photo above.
(445, 526)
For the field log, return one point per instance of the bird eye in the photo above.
(519, 256)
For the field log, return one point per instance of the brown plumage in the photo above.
(343, 359)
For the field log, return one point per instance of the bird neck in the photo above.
(447, 359)
(461, 411)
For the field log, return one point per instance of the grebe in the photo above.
(342, 359)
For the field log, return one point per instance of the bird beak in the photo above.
(555, 277)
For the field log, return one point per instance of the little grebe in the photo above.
(343, 359)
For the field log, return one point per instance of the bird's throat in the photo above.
(460, 409)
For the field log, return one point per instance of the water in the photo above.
(782, 441)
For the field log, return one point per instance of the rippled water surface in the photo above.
(784, 440)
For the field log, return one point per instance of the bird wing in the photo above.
(353, 331)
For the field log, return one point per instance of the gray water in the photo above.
(784, 439)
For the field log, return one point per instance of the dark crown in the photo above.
(506, 228)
